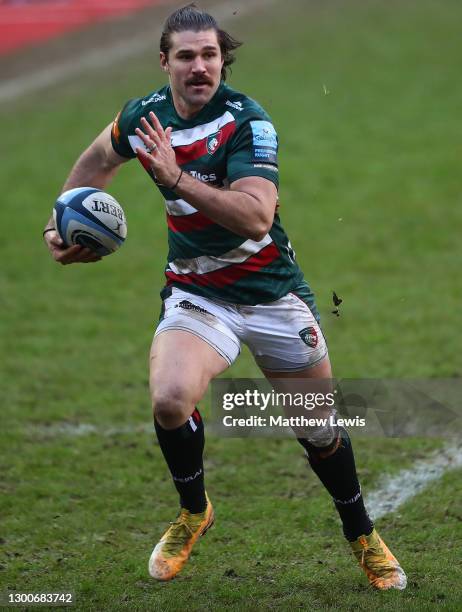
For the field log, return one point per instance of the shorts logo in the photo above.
(309, 335)
(213, 142)
(186, 305)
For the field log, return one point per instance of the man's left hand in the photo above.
(160, 154)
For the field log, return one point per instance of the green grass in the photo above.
(381, 152)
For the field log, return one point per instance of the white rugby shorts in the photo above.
(283, 336)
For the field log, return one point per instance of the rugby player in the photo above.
(231, 275)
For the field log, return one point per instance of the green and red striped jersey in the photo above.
(230, 138)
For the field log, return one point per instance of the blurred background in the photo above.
(366, 98)
(26, 22)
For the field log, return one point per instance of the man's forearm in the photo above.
(94, 168)
(237, 211)
(90, 170)
(247, 208)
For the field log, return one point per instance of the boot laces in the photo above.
(180, 532)
(377, 561)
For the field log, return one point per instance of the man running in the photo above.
(231, 275)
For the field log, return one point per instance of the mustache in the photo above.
(199, 81)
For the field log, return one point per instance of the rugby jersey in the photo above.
(230, 138)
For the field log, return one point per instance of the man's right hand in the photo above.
(68, 255)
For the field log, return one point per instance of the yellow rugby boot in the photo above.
(380, 565)
(173, 550)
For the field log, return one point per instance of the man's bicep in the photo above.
(104, 143)
(262, 189)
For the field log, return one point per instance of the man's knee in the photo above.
(325, 443)
(172, 404)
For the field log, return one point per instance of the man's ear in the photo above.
(164, 62)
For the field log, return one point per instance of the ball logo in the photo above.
(309, 335)
(213, 142)
(108, 211)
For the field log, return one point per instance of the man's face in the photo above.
(194, 64)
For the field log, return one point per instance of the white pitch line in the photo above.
(77, 430)
(98, 59)
(391, 493)
(394, 491)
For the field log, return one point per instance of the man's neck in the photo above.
(185, 110)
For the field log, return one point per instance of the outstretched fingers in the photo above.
(148, 135)
(157, 154)
(157, 126)
(153, 136)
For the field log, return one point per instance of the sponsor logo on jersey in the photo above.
(265, 142)
(236, 105)
(205, 178)
(213, 142)
(264, 134)
(155, 98)
(309, 335)
(186, 305)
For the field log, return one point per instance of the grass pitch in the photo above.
(366, 98)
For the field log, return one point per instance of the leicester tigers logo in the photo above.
(213, 142)
(309, 336)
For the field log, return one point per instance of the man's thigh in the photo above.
(319, 371)
(285, 337)
(194, 342)
(291, 351)
(315, 381)
(213, 322)
(181, 367)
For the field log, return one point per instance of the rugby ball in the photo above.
(92, 218)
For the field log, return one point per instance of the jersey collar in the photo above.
(205, 111)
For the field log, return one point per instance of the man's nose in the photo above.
(198, 65)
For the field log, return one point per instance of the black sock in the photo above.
(182, 449)
(337, 472)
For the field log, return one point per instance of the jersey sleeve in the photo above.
(253, 151)
(120, 131)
